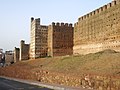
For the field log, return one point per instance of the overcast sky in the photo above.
(15, 16)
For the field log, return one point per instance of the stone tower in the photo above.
(22, 42)
(24, 50)
(16, 54)
(60, 39)
(38, 42)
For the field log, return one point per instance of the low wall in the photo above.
(96, 82)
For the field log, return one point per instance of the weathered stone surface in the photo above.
(24, 51)
(98, 30)
(96, 82)
(9, 57)
(60, 39)
(38, 42)
(16, 54)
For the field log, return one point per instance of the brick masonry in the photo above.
(16, 54)
(52, 40)
(9, 57)
(24, 50)
(98, 30)
(38, 42)
(90, 81)
(60, 39)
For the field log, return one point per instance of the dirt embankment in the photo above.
(100, 71)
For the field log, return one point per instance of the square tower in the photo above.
(38, 42)
(60, 39)
(24, 50)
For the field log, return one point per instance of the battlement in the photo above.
(99, 10)
(75, 24)
(32, 18)
(62, 24)
(37, 20)
(117, 1)
(22, 42)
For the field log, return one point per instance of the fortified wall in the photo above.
(38, 42)
(16, 54)
(43, 41)
(98, 30)
(60, 39)
(24, 50)
(9, 57)
(1, 53)
(52, 40)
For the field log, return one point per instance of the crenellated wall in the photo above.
(61, 24)
(60, 39)
(99, 10)
(99, 26)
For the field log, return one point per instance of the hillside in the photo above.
(105, 62)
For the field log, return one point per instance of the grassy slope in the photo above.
(105, 62)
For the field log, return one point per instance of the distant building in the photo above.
(60, 39)
(38, 42)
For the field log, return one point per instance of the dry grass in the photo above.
(106, 62)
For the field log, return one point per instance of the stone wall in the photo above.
(34, 24)
(38, 42)
(96, 47)
(43, 41)
(0, 57)
(1, 52)
(16, 54)
(90, 81)
(24, 50)
(98, 30)
(60, 39)
(96, 82)
(9, 57)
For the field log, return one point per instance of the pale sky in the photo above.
(15, 16)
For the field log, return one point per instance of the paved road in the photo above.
(19, 84)
(6, 84)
